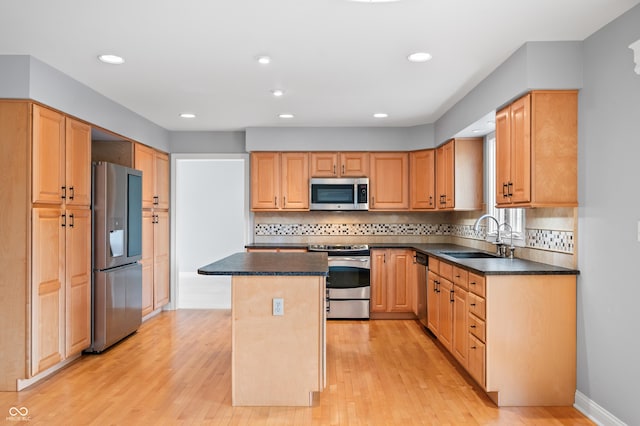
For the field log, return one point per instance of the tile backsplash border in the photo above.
(540, 239)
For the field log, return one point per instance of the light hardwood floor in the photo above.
(176, 370)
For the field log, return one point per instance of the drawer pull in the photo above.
(472, 283)
(473, 347)
(473, 326)
(473, 304)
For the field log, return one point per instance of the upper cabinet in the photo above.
(61, 159)
(422, 179)
(339, 164)
(536, 150)
(279, 181)
(389, 181)
(459, 174)
(155, 176)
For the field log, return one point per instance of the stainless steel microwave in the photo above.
(339, 193)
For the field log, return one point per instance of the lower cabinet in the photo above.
(155, 260)
(514, 334)
(392, 281)
(61, 285)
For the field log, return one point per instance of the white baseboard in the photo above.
(595, 412)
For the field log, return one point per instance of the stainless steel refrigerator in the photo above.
(117, 248)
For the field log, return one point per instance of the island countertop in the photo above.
(269, 264)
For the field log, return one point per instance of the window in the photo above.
(514, 217)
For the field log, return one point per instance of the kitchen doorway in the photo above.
(210, 220)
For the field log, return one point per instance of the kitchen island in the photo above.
(277, 326)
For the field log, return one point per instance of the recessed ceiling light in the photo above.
(264, 60)
(374, 1)
(111, 59)
(286, 116)
(380, 115)
(187, 115)
(476, 130)
(419, 57)
(277, 93)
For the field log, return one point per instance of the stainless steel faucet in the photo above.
(476, 226)
(501, 249)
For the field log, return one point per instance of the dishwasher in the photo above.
(421, 278)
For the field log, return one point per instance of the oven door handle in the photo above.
(348, 259)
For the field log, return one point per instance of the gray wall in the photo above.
(207, 142)
(609, 252)
(339, 138)
(53, 88)
(536, 65)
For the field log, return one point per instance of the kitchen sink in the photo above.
(469, 254)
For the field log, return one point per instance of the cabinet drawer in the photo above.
(476, 327)
(434, 265)
(461, 277)
(476, 306)
(476, 284)
(446, 271)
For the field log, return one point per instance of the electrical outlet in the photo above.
(278, 306)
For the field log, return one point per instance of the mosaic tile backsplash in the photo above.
(544, 239)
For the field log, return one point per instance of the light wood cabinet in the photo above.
(77, 156)
(155, 176)
(536, 150)
(391, 280)
(78, 280)
(515, 334)
(148, 225)
(161, 259)
(48, 178)
(49, 164)
(339, 164)
(279, 181)
(422, 179)
(459, 174)
(48, 288)
(389, 181)
(155, 227)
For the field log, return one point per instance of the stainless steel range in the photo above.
(349, 280)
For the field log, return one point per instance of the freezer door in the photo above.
(117, 305)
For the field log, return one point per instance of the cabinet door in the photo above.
(433, 302)
(399, 286)
(145, 161)
(422, 169)
(48, 156)
(520, 117)
(460, 342)
(47, 291)
(389, 181)
(324, 164)
(354, 164)
(78, 163)
(477, 360)
(78, 281)
(503, 156)
(265, 180)
(445, 326)
(148, 220)
(445, 168)
(161, 180)
(378, 281)
(161, 260)
(295, 180)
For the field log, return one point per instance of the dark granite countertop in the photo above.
(269, 264)
(483, 266)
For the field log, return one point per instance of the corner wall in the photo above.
(608, 288)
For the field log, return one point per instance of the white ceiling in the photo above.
(338, 61)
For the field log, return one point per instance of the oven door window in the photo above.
(348, 277)
(332, 194)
